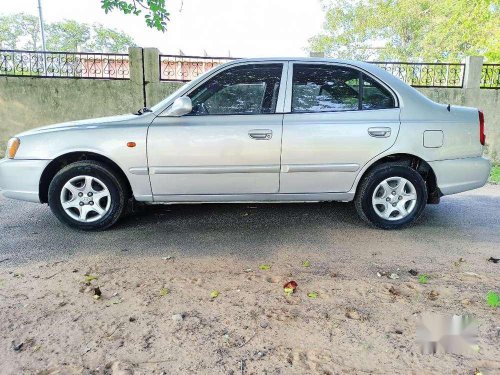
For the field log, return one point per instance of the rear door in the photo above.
(229, 144)
(338, 118)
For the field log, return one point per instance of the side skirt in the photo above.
(254, 198)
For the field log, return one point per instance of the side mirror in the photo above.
(180, 107)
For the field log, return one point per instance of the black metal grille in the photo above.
(64, 65)
(490, 76)
(186, 68)
(427, 74)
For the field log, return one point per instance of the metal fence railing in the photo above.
(427, 74)
(178, 68)
(490, 76)
(64, 64)
(186, 68)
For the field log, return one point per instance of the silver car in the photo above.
(258, 130)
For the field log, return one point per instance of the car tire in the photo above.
(391, 196)
(87, 195)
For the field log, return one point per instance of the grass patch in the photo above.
(495, 174)
(423, 279)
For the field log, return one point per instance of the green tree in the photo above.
(156, 15)
(30, 26)
(109, 40)
(9, 35)
(22, 31)
(67, 36)
(19, 26)
(444, 30)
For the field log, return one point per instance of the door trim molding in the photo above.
(141, 171)
(290, 168)
(220, 169)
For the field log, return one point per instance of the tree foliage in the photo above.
(156, 15)
(67, 36)
(431, 30)
(22, 31)
(15, 27)
(105, 39)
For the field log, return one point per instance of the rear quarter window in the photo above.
(375, 96)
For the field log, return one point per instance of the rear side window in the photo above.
(247, 89)
(327, 88)
(318, 88)
(375, 96)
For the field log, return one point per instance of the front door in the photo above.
(231, 141)
(338, 119)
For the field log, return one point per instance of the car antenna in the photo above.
(449, 107)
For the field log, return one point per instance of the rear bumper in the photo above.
(457, 175)
(20, 179)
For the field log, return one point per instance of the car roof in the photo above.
(300, 59)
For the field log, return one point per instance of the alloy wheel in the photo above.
(85, 199)
(394, 198)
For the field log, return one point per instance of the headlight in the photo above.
(12, 147)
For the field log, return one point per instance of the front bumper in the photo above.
(20, 179)
(457, 175)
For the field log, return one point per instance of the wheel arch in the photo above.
(414, 162)
(65, 159)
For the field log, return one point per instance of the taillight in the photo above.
(482, 136)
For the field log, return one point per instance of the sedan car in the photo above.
(258, 130)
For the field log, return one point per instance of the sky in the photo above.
(241, 28)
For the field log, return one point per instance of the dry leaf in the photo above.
(90, 278)
(97, 293)
(290, 287)
(353, 314)
(394, 291)
(291, 284)
(312, 295)
(433, 295)
(214, 294)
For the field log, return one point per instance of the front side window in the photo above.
(327, 88)
(242, 90)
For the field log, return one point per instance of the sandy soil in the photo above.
(156, 316)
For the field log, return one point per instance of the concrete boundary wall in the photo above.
(28, 102)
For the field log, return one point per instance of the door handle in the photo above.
(261, 134)
(379, 132)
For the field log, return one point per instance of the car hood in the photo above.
(90, 123)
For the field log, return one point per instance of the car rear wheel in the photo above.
(87, 195)
(391, 196)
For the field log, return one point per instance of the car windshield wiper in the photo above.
(142, 111)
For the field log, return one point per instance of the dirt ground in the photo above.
(157, 269)
(156, 315)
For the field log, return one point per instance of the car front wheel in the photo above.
(391, 196)
(87, 195)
